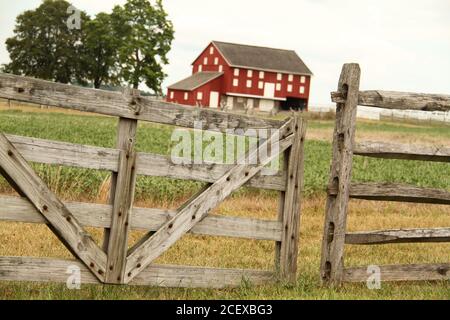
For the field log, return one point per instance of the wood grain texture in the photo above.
(56, 270)
(60, 219)
(153, 245)
(90, 157)
(66, 154)
(14, 209)
(402, 151)
(115, 104)
(292, 204)
(410, 272)
(332, 262)
(398, 236)
(125, 184)
(162, 166)
(395, 192)
(399, 100)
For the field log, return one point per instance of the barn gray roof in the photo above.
(262, 58)
(196, 80)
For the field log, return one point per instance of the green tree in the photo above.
(100, 50)
(44, 47)
(146, 36)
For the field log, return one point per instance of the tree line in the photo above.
(126, 47)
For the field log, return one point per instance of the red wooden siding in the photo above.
(224, 84)
(178, 95)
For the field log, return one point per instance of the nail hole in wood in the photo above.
(10, 153)
(171, 226)
(331, 228)
(20, 90)
(442, 271)
(129, 274)
(69, 219)
(139, 265)
(194, 217)
(92, 265)
(344, 91)
(111, 268)
(327, 272)
(100, 272)
(45, 208)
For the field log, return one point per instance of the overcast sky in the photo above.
(401, 45)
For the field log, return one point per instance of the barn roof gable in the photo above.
(195, 81)
(261, 58)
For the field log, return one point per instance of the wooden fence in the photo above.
(114, 263)
(341, 188)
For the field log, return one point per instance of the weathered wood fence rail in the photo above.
(114, 263)
(341, 188)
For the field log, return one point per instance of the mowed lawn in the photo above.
(88, 185)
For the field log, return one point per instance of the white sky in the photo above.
(400, 45)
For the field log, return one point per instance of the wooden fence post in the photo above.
(121, 197)
(290, 205)
(332, 263)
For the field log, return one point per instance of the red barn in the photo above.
(236, 76)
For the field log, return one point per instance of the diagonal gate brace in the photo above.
(154, 245)
(61, 221)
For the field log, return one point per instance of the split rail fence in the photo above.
(114, 263)
(341, 188)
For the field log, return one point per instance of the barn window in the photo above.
(186, 96)
(200, 68)
(261, 85)
(289, 88)
(235, 82)
(279, 76)
(291, 78)
(236, 72)
(261, 74)
(249, 73)
(220, 68)
(172, 95)
(216, 61)
(278, 86)
(199, 95)
(302, 89)
(249, 83)
(211, 50)
(303, 79)
(205, 61)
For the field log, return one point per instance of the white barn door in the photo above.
(214, 100)
(269, 90)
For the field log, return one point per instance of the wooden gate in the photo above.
(340, 188)
(114, 263)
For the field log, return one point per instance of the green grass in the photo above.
(307, 288)
(100, 131)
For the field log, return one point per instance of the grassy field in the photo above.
(88, 185)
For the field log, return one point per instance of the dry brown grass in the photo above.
(35, 240)
(399, 137)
